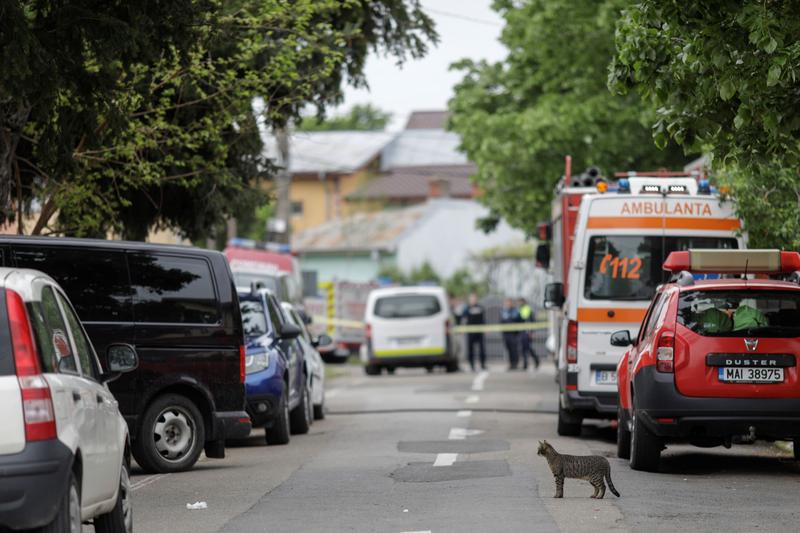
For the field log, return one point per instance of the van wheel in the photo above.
(623, 435)
(279, 432)
(568, 424)
(171, 436)
(302, 415)
(645, 447)
(120, 518)
(319, 410)
(372, 370)
(452, 367)
(68, 516)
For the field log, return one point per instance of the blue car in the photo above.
(277, 383)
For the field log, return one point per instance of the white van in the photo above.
(408, 326)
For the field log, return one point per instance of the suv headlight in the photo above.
(256, 362)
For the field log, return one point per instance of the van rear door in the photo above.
(408, 324)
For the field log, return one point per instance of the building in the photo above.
(440, 231)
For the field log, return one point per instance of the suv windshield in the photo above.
(253, 319)
(262, 281)
(407, 306)
(628, 267)
(741, 313)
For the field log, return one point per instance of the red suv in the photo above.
(715, 360)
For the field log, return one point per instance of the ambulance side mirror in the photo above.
(621, 338)
(553, 295)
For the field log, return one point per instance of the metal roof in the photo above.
(425, 120)
(415, 183)
(330, 151)
(419, 147)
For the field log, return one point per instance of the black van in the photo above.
(179, 307)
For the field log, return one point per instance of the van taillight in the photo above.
(572, 342)
(368, 331)
(665, 354)
(37, 403)
(242, 364)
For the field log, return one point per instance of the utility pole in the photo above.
(283, 182)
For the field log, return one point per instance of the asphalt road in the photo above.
(418, 452)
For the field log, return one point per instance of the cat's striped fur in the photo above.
(592, 468)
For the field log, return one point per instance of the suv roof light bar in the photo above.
(657, 174)
(733, 261)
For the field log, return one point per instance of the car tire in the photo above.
(568, 424)
(68, 515)
(120, 518)
(452, 367)
(372, 370)
(645, 453)
(301, 416)
(171, 436)
(623, 435)
(319, 409)
(278, 433)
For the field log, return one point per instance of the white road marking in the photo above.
(445, 459)
(463, 433)
(464, 414)
(472, 398)
(480, 379)
(425, 531)
(149, 480)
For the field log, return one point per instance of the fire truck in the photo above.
(609, 239)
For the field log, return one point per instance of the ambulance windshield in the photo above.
(628, 267)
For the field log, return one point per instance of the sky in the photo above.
(467, 28)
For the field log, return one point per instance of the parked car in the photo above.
(277, 376)
(64, 447)
(715, 361)
(309, 345)
(408, 326)
(178, 306)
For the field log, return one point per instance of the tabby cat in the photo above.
(591, 468)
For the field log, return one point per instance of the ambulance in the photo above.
(609, 241)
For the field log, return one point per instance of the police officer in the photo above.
(525, 348)
(510, 315)
(474, 315)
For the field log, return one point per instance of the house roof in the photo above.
(330, 151)
(360, 232)
(423, 120)
(414, 183)
(418, 147)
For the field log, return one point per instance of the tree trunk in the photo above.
(283, 182)
(13, 117)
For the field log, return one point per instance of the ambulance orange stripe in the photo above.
(708, 224)
(600, 314)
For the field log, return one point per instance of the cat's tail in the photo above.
(610, 484)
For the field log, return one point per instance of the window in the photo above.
(297, 209)
(741, 313)
(655, 316)
(82, 344)
(51, 335)
(104, 295)
(275, 313)
(407, 306)
(175, 290)
(628, 267)
(254, 320)
(263, 281)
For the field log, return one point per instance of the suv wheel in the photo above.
(372, 370)
(303, 414)
(623, 435)
(278, 433)
(645, 447)
(68, 516)
(319, 410)
(171, 437)
(568, 424)
(120, 518)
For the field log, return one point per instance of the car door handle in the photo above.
(76, 396)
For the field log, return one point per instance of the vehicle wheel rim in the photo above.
(125, 498)
(173, 434)
(74, 510)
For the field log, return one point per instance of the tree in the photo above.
(725, 79)
(361, 117)
(548, 98)
(149, 119)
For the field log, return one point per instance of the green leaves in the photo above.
(774, 75)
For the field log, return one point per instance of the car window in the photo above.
(50, 331)
(300, 324)
(654, 316)
(275, 313)
(261, 281)
(407, 306)
(254, 320)
(170, 289)
(82, 344)
(103, 296)
(6, 353)
(739, 313)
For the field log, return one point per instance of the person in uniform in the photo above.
(525, 347)
(473, 314)
(510, 315)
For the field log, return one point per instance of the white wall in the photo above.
(447, 236)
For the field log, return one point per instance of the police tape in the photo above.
(481, 328)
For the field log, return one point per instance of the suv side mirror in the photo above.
(553, 295)
(621, 338)
(322, 340)
(290, 331)
(121, 358)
